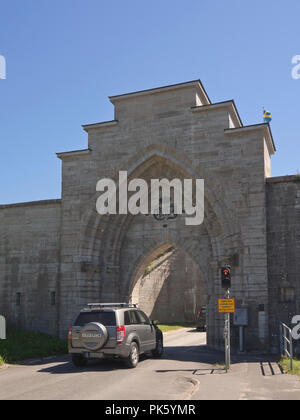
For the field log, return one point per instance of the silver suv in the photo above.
(117, 330)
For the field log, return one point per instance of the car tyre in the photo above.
(134, 355)
(78, 360)
(159, 350)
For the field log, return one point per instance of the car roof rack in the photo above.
(94, 306)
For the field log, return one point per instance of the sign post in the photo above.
(240, 320)
(2, 328)
(226, 306)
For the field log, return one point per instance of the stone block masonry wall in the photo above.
(29, 265)
(283, 210)
(158, 134)
(171, 290)
(56, 256)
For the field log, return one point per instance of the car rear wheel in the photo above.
(134, 355)
(78, 360)
(159, 350)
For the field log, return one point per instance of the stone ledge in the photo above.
(264, 128)
(31, 203)
(74, 153)
(280, 179)
(230, 105)
(197, 83)
(106, 124)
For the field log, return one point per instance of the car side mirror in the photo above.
(155, 323)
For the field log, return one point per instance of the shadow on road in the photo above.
(268, 364)
(211, 362)
(197, 372)
(66, 366)
(198, 353)
(268, 369)
(195, 330)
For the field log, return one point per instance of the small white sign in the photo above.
(240, 318)
(2, 328)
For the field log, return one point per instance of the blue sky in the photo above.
(64, 58)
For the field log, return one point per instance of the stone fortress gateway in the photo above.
(57, 255)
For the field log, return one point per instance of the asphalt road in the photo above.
(186, 371)
(153, 379)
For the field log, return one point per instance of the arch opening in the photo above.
(169, 286)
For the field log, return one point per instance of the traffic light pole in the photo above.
(227, 336)
(226, 284)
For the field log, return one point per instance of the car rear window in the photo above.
(106, 318)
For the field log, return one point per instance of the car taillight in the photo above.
(70, 336)
(120, 334)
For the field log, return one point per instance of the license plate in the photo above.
(93, 355)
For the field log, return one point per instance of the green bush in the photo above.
(22, 345)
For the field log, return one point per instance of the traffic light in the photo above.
(226, 277)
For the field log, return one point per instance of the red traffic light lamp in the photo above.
(226, 277)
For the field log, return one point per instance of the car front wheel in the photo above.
(159, 350)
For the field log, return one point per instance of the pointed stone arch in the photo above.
(137, 166)
(105, 238)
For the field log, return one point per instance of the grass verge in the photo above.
(22, 345)
(170, 327)
(285, 364)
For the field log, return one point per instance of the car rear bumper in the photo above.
(121, 350)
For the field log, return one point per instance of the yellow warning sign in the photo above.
(226, 306)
